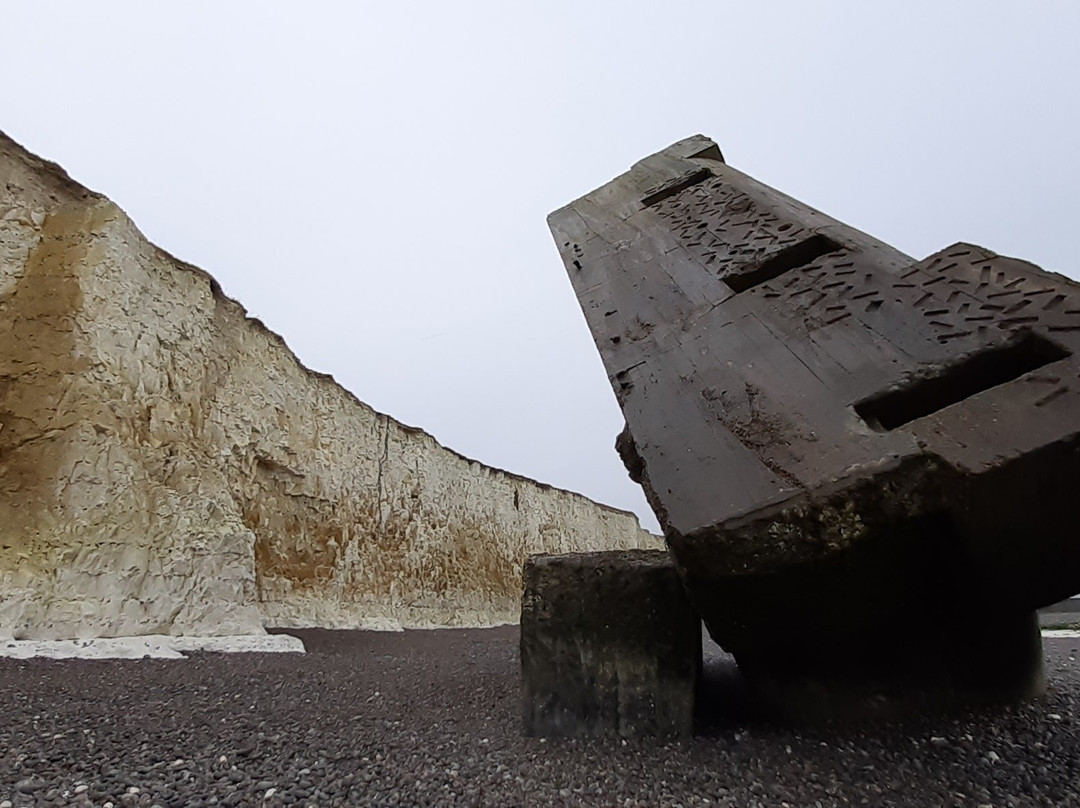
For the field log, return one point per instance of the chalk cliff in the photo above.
(168, 466)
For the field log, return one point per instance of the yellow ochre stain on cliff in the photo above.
(39, 317)
(367, 553)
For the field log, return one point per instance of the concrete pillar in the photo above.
(610, 645)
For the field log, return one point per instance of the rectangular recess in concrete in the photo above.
(672, 188)
(955, 382)
(785, 260)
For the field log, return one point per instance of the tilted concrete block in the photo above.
(841, 443)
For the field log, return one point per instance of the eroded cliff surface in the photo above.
(168, 466)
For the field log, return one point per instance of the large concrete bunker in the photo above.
(846, 447)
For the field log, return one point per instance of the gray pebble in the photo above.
(29, 785)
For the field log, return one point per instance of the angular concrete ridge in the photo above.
(843, 444)
(167, 465)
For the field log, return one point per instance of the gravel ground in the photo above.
(432, 718)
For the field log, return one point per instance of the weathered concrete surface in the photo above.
(610, 645)
(168, 466)
(835, 437)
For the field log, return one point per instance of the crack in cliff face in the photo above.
(382, 467)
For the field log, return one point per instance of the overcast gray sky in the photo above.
(372, 180)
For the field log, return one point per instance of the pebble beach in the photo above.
(432, 718)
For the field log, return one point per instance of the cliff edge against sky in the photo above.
(167, 465)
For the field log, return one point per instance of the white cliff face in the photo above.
(167, 466)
